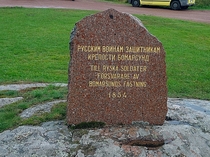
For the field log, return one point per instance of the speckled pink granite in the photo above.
(117, 71)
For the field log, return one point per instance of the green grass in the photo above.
(34, 48)
(187, 46)
(9, 114)
(35, 44)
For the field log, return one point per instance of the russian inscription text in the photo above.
(118, 75)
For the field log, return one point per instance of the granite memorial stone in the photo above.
(117, 71)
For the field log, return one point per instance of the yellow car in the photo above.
(173, 4)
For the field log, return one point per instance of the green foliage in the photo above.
(202, 3)
(85, 125)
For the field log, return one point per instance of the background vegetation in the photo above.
(202, 3)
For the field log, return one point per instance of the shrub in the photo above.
(202, 3)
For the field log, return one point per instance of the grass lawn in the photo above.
(35, 48)
(35, 44)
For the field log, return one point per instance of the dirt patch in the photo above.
(193, 15)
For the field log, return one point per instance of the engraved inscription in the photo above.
(128, 76)
(118, 49)
(117, 95)
(101, 57)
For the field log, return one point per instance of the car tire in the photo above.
(184, 8)
(175, 5)
(135, 3)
